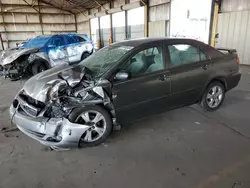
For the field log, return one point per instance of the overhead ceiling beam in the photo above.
(49, 3)
(100, 5)
(73, 5)
(31, 5)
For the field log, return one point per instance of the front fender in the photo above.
(40, 56)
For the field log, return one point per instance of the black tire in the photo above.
(204, 102)
(85, 55)
(78, 111)
(38, 67)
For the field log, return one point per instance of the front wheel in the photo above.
(99, 121)
(38, 67)
(213, 97)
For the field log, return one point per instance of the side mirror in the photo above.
(121, 76)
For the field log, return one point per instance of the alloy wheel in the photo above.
(214, 96)
(96, 122)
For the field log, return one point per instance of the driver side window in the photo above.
(145, 61)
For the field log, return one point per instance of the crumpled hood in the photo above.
(38, 85)
(10, 55)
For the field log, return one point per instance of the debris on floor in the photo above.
(59, 149)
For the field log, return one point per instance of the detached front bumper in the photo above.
(57, 132)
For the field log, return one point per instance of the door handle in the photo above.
(205, 67)
(163, 77)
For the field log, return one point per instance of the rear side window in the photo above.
(58, 41)
(181, 54)
(80, 39)
(70, 39)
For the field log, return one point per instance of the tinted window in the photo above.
(70, 40)
(146, 61)
(58, 41)
(181, 54)
(37, 42)
(80, 39)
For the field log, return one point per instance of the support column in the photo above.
(126, 21)
(126, 24)
(4, 26)
(111, 30)
(146, 16)
(99, 32)
(76, 23)
(215, 12)
(40, 17)
(1, 39)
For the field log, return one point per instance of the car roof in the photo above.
(143, 41)
(62, 34)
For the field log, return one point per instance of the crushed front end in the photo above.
(15, 62)
(43, 115)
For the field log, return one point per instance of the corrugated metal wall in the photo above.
(234, 32)
(159, 16)
(235, 5)
(19, 21)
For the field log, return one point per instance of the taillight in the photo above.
(238, 60)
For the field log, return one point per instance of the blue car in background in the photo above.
(44, 52)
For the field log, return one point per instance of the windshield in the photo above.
(37, 42)
(102, 60)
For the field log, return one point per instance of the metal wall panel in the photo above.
(83, 28)
(246, 58)
(235, 5)
(159, 12)
(234, 32)
(24, 23)
(158, 28)
(157, 2)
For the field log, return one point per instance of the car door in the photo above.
(72, 48)
(147, 91)
(57, 50)
(190, 71)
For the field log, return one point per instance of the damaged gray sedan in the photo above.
(70, 106)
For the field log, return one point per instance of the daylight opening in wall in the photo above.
(118, 19)
(94, 28)
(105, 22)
(136, 16)
(118, 26)
(191, 19)
(136, 23)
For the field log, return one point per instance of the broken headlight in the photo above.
(55, 89)
(52, 93)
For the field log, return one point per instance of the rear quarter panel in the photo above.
(226, 69)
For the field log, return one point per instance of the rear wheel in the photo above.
(85, 55)
(213, 97)
(38, 67)
(99, 122)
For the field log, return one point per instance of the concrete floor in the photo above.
(184, 148)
